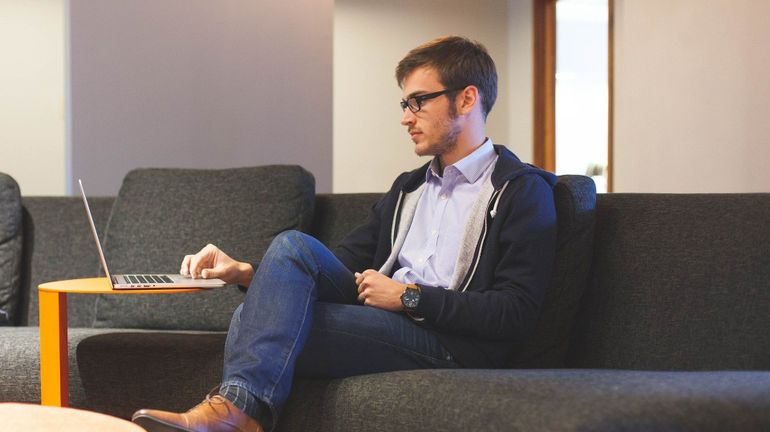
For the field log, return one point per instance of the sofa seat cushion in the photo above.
(158, 369)
(20, 357)
(10, 249)
(533, 400)
(117, 371)
(160, 215)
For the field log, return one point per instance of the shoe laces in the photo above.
(213, 397)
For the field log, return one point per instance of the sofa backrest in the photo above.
(575, 200)
(160, 215)
(58, 245)
(338, 214)
(11, 236)
(679, 282)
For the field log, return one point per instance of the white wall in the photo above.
(692, 96)
(32, 124)
(691, 89)
(199, 84)
(520, 80)
(370, 146)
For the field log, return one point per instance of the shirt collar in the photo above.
(471, 166)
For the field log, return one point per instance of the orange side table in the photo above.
(54, 360)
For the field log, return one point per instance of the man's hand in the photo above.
(376, 289)
(211, 262)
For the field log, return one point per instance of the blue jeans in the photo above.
(301, 316)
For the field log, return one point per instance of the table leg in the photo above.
(54, 385)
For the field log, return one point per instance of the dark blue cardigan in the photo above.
(482, 326)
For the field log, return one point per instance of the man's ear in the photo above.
(468, 99)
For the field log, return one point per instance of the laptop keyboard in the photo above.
(145, 279)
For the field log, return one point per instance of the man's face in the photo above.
(434, 128)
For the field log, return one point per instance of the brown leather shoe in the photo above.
(214, 414)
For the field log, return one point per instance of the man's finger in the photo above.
(211, 273)
(184, 270)
(362, 294)
(363, 285)
(195, 265)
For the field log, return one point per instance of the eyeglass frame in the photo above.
(419, 99)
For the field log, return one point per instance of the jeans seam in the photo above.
(294, 342)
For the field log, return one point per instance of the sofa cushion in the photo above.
(10, 249)
(575, 200)
(160, 215)
(336, 215)
(459, 399)
(186, 364)
(139, 361)
(58, 245)
(532, 400)
(20, 357)
(679, 282)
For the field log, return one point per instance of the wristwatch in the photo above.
(410, 298)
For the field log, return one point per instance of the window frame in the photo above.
(544, 86)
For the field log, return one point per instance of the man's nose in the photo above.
(407, 118)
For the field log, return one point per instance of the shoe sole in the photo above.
(154, 425)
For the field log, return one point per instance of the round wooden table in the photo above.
(17, 417)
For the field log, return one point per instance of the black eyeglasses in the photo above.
(414, 103)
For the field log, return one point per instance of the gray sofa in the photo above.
(658, 317)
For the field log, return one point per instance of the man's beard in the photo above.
(448, 141)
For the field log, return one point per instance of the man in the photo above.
(448, 271)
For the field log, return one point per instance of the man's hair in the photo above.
(459, 62)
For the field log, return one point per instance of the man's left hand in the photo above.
(376, 289)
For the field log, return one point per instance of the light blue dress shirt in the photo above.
(432, 244)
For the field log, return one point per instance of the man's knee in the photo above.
(289, 239)
(284, 246)
(293, 243)
(296, 240)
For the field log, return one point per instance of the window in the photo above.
(573, 88)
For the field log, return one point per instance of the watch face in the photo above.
(410, 298)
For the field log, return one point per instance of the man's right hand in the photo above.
(211, 262)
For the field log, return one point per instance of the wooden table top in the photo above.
(18, 417)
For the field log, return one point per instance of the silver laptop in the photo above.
(144, 281)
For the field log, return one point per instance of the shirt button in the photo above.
(435, 232)
(443, 196)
